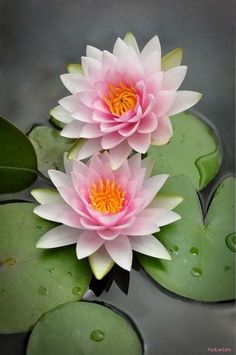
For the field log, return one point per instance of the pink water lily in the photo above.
(106, 213)
(122, 101)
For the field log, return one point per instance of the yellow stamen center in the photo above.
(106, 196)
(121, 99)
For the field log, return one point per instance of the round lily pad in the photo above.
(83, 328)
(203, 252)
(33, 281)
(193, 151)
(49, 147)
(18, 161)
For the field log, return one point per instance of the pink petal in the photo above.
(152, 63)
(183, 101)
(69, 103)
(99, 116)
(120, 48)
(111, 140)
(108, 234)
(149, 245)
(90, 224)
(148, 123)
(148, 164)
(80, 167)
(91, 130)
(94, 53)
(118, 154)
(89, 148)
(52, 211)
(129, 129)
(154, 83)
(140, 141)
(151, 187)
(164, 131)
(99, 105)
(72, 130)
(71, 218)
(75, 82)
(108, 61)
(88, 243)
(59, 179)
(164, 102)
(135, 163)
(87, 97)
(58, 237)
(82, 113)
(174, 77)
(142, 225)
(91, 65)
(112, 127)
(120, 251)
(162, 216)
(152, 46)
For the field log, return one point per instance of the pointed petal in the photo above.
(46, 195)
(89, 148)
(172, 59)
(118, 154)
(163, 133)
(91, 130)
(58, 237)
(151, 187)
(164, 102)
(174, 77)
(61, 114)
(108, 234)
(120, 251)
(101, 263)
(140, 142)
(52, 211)
(93, 52)
(130, 40)
(72, 130)
(75, 82)
(69, 103)
(148, 123)
(59, 179)
(184, 100)
(111, 140)
(82, 113)
(152, 46)
(152, 63)
(88, 243)
(149, 245)
(167, 202)
(120, 48)
(148, 164)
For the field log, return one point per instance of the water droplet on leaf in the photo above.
(77, 291)
(38, 227)
(51, 270)
(174, 249)
(42, 291)
(97, 335)
(227, 268)
(194, 251)
(196, 272)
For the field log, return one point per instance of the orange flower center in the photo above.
(107, 197)
(121, 99)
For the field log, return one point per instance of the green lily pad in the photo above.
(17, 159)
(83, 328)
(33, 281)
(49, 147)
(203, 252)
(193, 151)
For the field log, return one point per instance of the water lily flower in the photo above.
(106, 213)
(122, 100)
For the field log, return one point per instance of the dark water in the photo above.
(38, 38)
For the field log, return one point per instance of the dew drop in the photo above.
(194, 251)
(42, 291)
(69, 273)
(174, 249)
(39, 227)
(230, 241)
(196, 272)
(227, 268)
(77, 291)
(51, 270)
(97, 335)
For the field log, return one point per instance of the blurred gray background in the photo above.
(38, 38)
